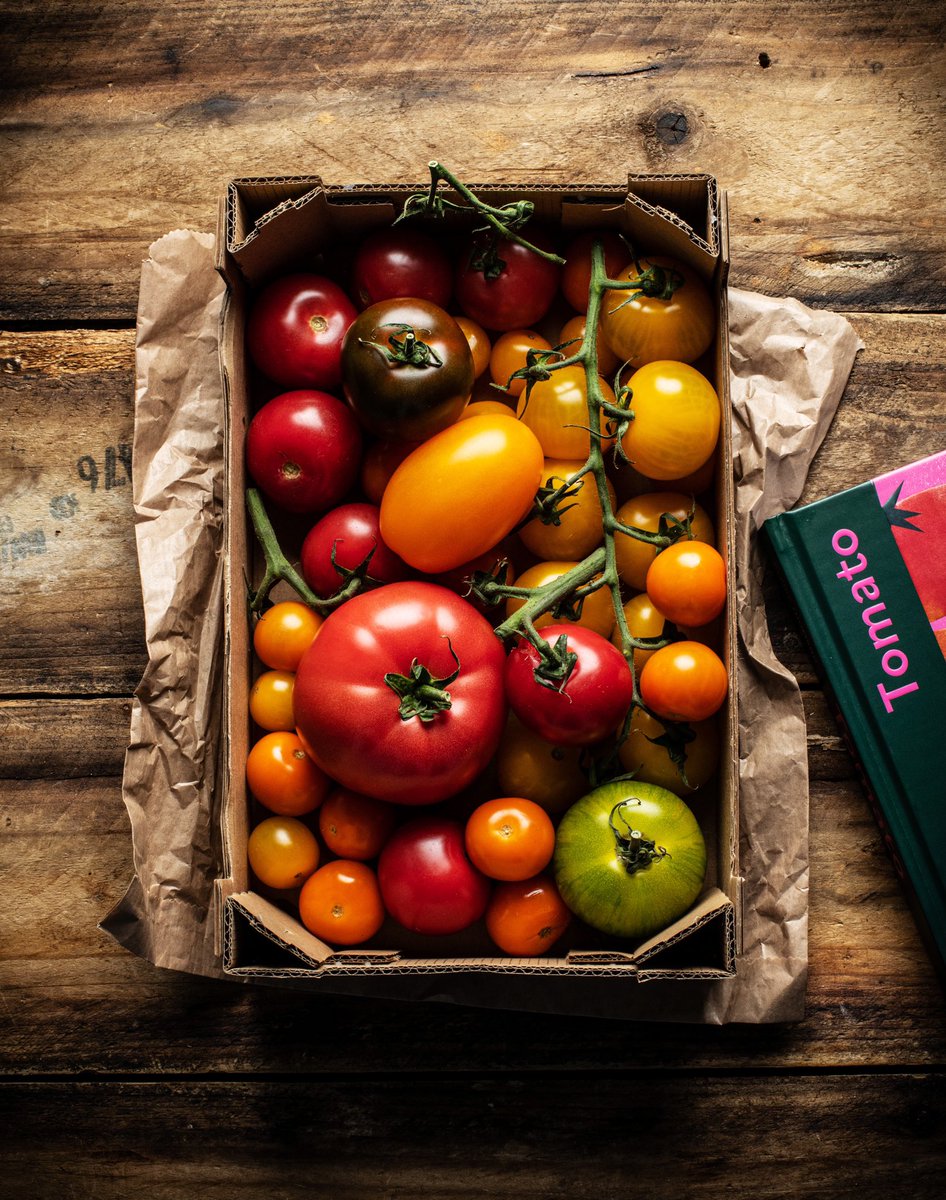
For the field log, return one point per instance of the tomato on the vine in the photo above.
(676, 320)
(570, 339)
(574, 529)
(687, 582)
(295, 328)
(510, 354)
(643, 620)
(510, 838)
(635, 556)
(283, 777)
(283, 852)
(395, 262)
(460, 493)
(557, 413)
(526, 919)
(407, 369)
(588, 705)
(593, 611)
(685, 681)
(284, 632)
(303, 450)
(350, 532)
(676, 420)
(341, 903)
(576, 274)
(502, 285)
(401, 695)
(680, 759)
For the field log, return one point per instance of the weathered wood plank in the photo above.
(823, 122)
(551, 1135)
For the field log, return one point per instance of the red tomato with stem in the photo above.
(295, 328)
(352, 532)
(512, 289)
(400, 696)
(303, 450)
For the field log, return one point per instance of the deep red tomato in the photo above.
(402, 262)
(295, 329)
(353, 531)
(303, 450)
(522, 291)
(351, 693)
(407, 369)
(591, 703)
(427, 882)
(576, 274)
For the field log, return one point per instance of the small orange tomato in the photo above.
(283, 634)
(271, 700)
(579, 515)
(526, 919)
(341, 903)
(510, 354)
(283, 777)
(595, 611)
(645, 512)
(573, 331)
(479, 344)
(510, 838)
(646, 758)
(527, 765)
(687, 582)
(557, 413)
(685, 681)
(355, 826)
(576, 274)
(283, 852)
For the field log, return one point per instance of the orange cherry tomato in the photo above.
(283, 852)
(570, 339)
(341, 903)
(676, 420)
(687, 582)
(380, 461)
(271, 700)
(643, 756)
(283, 634)
(644, 512)
(597, 611)
(576, 273)
(479, 344)
(460, 493)
(644, 620)
(642, 329)
(283, 777)
(526, 919)
(685, 681)
(355, 826)
(510, 838)
(528, 766)
(557, 413)
(510, 354)
(579, 514)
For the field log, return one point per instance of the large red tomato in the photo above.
(427, 882)
(295, 328)
(303, 450)
(509, 290)
(400, 696)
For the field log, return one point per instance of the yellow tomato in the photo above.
(644, 512)
(557, 412)
(652, 763)
(676, 420)
(597, 611)
(642, 329)
(579, 529)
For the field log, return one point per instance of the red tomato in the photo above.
(511, 838)
(351, 700)
(521, 291)
(303, 450)
(295, 329)
(341, 903)
(284, 633)
(355, 826)
(398, 262)
(685, 681)
(591, 703)
(687, 582)
(576, 274)
(380, 461)
(353, 531)
(427, 882)
(527, 919)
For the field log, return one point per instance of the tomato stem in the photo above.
(420, 694)
(635, 851)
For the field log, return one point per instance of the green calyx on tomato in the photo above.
(556, 663)
(408, 350)
(656, 282)
(422, 695)
(635, 851)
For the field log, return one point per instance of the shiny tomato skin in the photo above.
(406, 401)
(685, 681)
(510, 354)
(526, 919)
(282, 852)
(687, 582)
(460, 493)
(284, 632)
(521, 293)
(303, 450)
(597, 611)
(391, 263)
(644, 512)
(643, 756)
(283, 776)
(295, 328)
(676, 421)
(271, 701)
(579, 527)
(642, 329)
(478, 339)
(348, 716)
(354, 531)
(510, 838)
(428, 884)
(341, 903)
(557, 413)
(591, 704)
(355, 826)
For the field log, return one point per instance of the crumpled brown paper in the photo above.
(789, 367)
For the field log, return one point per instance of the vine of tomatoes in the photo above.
(436, 462)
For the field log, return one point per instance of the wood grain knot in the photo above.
(672, 128)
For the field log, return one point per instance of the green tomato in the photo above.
(629, 858)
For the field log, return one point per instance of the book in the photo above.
(867, 571)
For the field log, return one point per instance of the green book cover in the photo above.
(867, 570)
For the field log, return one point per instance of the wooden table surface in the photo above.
(825, 123)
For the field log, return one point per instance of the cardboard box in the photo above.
(272, 226)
